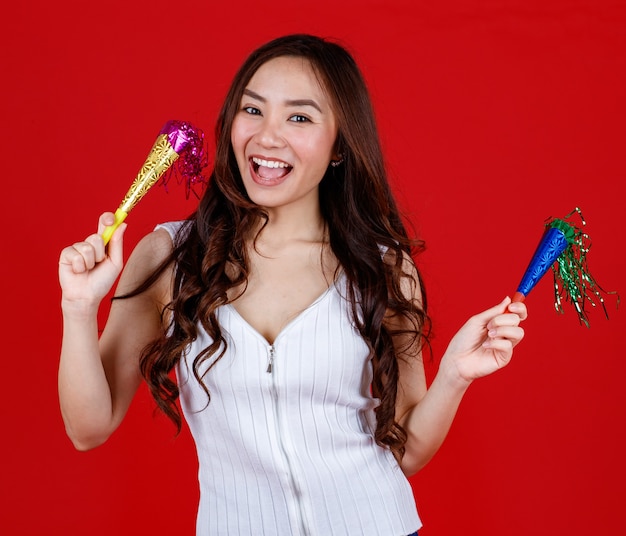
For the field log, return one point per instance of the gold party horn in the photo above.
(174, 138)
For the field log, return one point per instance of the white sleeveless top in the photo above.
(286, 445)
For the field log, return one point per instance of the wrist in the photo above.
(450, 374)
(79, 309)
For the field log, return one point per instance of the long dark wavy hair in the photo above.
(361, 216)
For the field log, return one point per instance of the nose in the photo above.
(270, 133)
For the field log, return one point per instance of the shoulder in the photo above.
(147, 256)
(400, 259)
(173, 228)
(154, 248)
(391, 256)
(403, 269)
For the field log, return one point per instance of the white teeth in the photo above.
(269, 163)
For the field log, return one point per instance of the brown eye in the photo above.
(299, 119)
(251, 110)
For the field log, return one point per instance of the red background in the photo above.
(494, 116)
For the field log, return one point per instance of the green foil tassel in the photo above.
(572, 281)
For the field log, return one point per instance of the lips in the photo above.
(268, 172)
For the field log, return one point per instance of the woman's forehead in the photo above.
(290, 76)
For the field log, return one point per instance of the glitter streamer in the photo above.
(564, 248)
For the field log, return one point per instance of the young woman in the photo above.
(291, 310)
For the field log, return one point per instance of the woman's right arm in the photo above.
(99, 375)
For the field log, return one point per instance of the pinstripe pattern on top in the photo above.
(292, 452)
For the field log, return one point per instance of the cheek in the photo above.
(319, 147)
(240, 134)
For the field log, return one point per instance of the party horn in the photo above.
(564, 247)
(176, 139)
(556, 238)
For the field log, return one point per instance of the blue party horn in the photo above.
(555, 240)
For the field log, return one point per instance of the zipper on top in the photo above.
(281, 437)
(270, 358)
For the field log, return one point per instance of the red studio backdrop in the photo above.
(494, 115)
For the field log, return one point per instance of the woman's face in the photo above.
(283, 134)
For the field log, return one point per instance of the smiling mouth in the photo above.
(270, 170)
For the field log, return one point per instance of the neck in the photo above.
(293, 224)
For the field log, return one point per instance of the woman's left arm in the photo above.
(483, 345)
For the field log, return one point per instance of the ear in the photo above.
(336, 161)
(338, 152)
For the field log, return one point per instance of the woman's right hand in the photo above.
(88, 269)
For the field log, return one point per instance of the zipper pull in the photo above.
(270, 359)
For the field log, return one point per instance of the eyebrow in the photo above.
(294, 102)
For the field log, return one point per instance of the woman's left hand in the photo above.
(485, 343)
